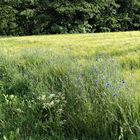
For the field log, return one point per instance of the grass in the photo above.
(80, 86)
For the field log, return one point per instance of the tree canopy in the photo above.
(27, 17)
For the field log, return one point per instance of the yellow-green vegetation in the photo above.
(123, 46)
(75, 86)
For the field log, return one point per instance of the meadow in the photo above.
(70, 87)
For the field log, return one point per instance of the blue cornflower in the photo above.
(123, 81)
(119, 86)
(95, 69)
(96, 81)
(107, 85)
(114, 94)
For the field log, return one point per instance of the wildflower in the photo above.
(107, 85)
(95, 70)
(119, 86)
(96, 81)
(123, 81)
(114, 94)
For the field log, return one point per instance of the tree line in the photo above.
(28, 17)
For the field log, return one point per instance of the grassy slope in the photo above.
(124, 46)
(45, 92)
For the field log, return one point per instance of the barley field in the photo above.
(70, 87)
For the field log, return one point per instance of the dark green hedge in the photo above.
(27, 17)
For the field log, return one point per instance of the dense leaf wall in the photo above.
(27, 17)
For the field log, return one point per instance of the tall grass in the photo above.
(44, 95)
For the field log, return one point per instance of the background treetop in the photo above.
(27, 17)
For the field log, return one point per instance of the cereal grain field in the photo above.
(70, 87)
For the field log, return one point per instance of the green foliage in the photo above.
(27, 17)
(47, 96)
(8, 23)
